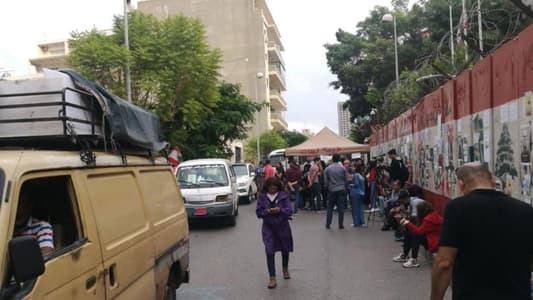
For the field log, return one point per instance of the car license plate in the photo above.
(200, 212)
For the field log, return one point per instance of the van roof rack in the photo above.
(64, 111)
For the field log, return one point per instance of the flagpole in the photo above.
(465, 21)
(480, 26)
(452, 48)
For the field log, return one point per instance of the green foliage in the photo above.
(174, 73)
(365, 59)
(212, 137)
(293, 138)
(268, 142)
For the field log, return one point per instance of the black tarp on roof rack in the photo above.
(128, 125)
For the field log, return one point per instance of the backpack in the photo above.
(404, 172)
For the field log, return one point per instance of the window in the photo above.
(209, 175)
(48, 210)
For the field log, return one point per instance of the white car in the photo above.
(209, 189)
(247, 188)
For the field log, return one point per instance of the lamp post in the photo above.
(392, 18)
(127, 44)
(258, 76)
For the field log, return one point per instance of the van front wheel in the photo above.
(170, 292)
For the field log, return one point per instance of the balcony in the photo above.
(278, 121)
(276, 73)
(274, 35)
(276, 101)
(274, 53)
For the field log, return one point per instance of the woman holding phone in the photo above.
(274, 207)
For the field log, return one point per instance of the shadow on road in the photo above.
(208, 224)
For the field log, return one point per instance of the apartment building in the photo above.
(345, 125)
(247, 34)
(51, 55)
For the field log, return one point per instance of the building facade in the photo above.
(345, 125)
(51, 55)
(251, 44)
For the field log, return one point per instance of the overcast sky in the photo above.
(305, 26)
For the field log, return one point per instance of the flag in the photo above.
(175, 157)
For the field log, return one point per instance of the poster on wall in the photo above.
(510, 138)
(526, 145)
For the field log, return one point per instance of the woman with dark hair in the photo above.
(427, 234)
(280, 171)
(274, 207)
(357, 194)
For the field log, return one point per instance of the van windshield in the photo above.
(241, 170)
(201, 176)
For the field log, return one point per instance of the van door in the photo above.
(124, 229)
(52, 208)
(234, 186)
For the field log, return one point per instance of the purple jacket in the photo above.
(276, 231)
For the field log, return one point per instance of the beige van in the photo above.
(112, 230)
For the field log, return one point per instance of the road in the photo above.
(354, 263)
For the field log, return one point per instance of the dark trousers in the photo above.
(336, 198)
(412, 243)
(271, 263)
(316, 195)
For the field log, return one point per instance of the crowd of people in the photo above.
(339, 184)
(483, 245)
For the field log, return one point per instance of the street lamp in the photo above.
(392, 18)
(258, 76)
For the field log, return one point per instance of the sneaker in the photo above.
(398, 239)
(411, 263)
(400, 258)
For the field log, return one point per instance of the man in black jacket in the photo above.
(396, 168)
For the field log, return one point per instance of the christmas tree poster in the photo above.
(505, 162)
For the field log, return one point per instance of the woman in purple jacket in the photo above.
(274, 207)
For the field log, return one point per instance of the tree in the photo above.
(364, 60)
(174, 72)
(228, 123)
(268, 142)
(293, 138)
(505, 155)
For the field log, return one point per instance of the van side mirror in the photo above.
(26, 258)
(252, 174)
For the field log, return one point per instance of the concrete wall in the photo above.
(484, 114)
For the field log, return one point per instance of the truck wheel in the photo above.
(250, 195)
(232, 221)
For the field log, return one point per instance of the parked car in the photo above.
(246, 181)
(209, 189)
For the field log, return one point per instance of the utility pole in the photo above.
(127, 44)
(480, 26)
(452, 48)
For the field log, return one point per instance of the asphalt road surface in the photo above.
(354, 263)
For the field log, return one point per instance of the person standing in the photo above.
(397, 168)
(347, 164)
(314, 184)
(335, 180)
(294, 184)
(268, 170)
(274, 207)
(486, 242)
(357, 194)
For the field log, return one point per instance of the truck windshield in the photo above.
(201, 176)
